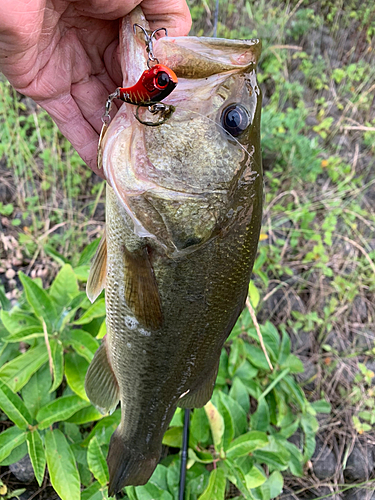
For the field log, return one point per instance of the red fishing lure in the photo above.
(154, 85)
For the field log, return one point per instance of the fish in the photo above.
(183, 215)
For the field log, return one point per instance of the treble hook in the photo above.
(148, 40)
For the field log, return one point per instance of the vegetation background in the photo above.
(301, 431)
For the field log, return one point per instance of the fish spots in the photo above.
(184, 394)
(144, 332)
(128, 344)
(131, 322)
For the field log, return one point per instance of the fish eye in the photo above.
(162, 80)
(235, 119)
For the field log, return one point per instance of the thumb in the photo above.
(174, 15)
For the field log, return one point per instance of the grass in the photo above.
(315, 271)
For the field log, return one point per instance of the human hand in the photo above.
(64, 55)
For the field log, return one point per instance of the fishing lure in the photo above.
(154, 85)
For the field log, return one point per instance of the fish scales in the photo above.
(183, 215)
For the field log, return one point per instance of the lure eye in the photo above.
(235, 119)
(162, 80)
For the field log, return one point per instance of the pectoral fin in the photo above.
(98, 271)
(101, 384)
(199, 397)
(141, 289)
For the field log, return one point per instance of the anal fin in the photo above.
(141, 289)
(98, 271)
(199, 397)
(100, 383)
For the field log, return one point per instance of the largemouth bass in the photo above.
(183, 215)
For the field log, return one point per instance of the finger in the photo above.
(171, 14)
(66, 114)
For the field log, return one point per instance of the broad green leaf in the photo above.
(59, 409)
(64, 287)
(216, 486)
(238, 414)
(172, 477)
(83, 343)
(294, 364)
(178, 418)
(102, 330)
(239, 392)
(57, 352)
(89, 414)
(94, 492)
(247, 443)
(27, 334)
(37, 455)
(82, 272)
(274, 454)
(4, 301)
(295, 459)
(18, 321)
(290, 386)
(199, 427)
(237, 356)
(254, 478)
(321, 406)
(39, 300)
(254, 295)
(275, 483)
(237, 477)
(62, 466)
(222, 374)
(75, 372)
(35, 393)
(216, 422)
(173, 437)
(246, 372)
(88, 252)
(13, 406)
(10, 439)
(284, 348)
(159, 477)
(227, 416)
(16, 454)
(18, 372)
(96, 461)
(260, 419)
(270, 336)
(80, 301)
(256, 357)
(104, 429)
(97, 310)
(203, 457)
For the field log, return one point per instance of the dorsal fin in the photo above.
(98, 271)
(141, 289)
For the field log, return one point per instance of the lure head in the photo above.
(159, 81)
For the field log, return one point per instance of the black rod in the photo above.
(184, 454)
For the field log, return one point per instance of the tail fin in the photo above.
(127, 465)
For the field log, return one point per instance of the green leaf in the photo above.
(37, 455)
(75, 372)
(295, 460)
(239, 392)
(173, 437)
(84, 416)
(95, 492)
(216, 422)
(59, 409)
(83, 343)
(256, 357)
(97, 310)
(35, 393)
(321, 406)
(96, 461)
(25, 335)
(216, 486)
(254, 478)
(237, 413)
(9, 440)
(17, 321)
(199, 426)
(260, 419)
(18, 372)
(4, 301)
(237, 356)
(254, 295)
(247, 443)
(88, 252)
(13, 406)
(39, 301)
(275, 483)
(64, 287)
(227, 416)
(16, 454)
(294, 364)
(62, 466)
(57, 353)
(284, 348)
(237, 477)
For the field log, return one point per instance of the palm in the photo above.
(69, 64)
